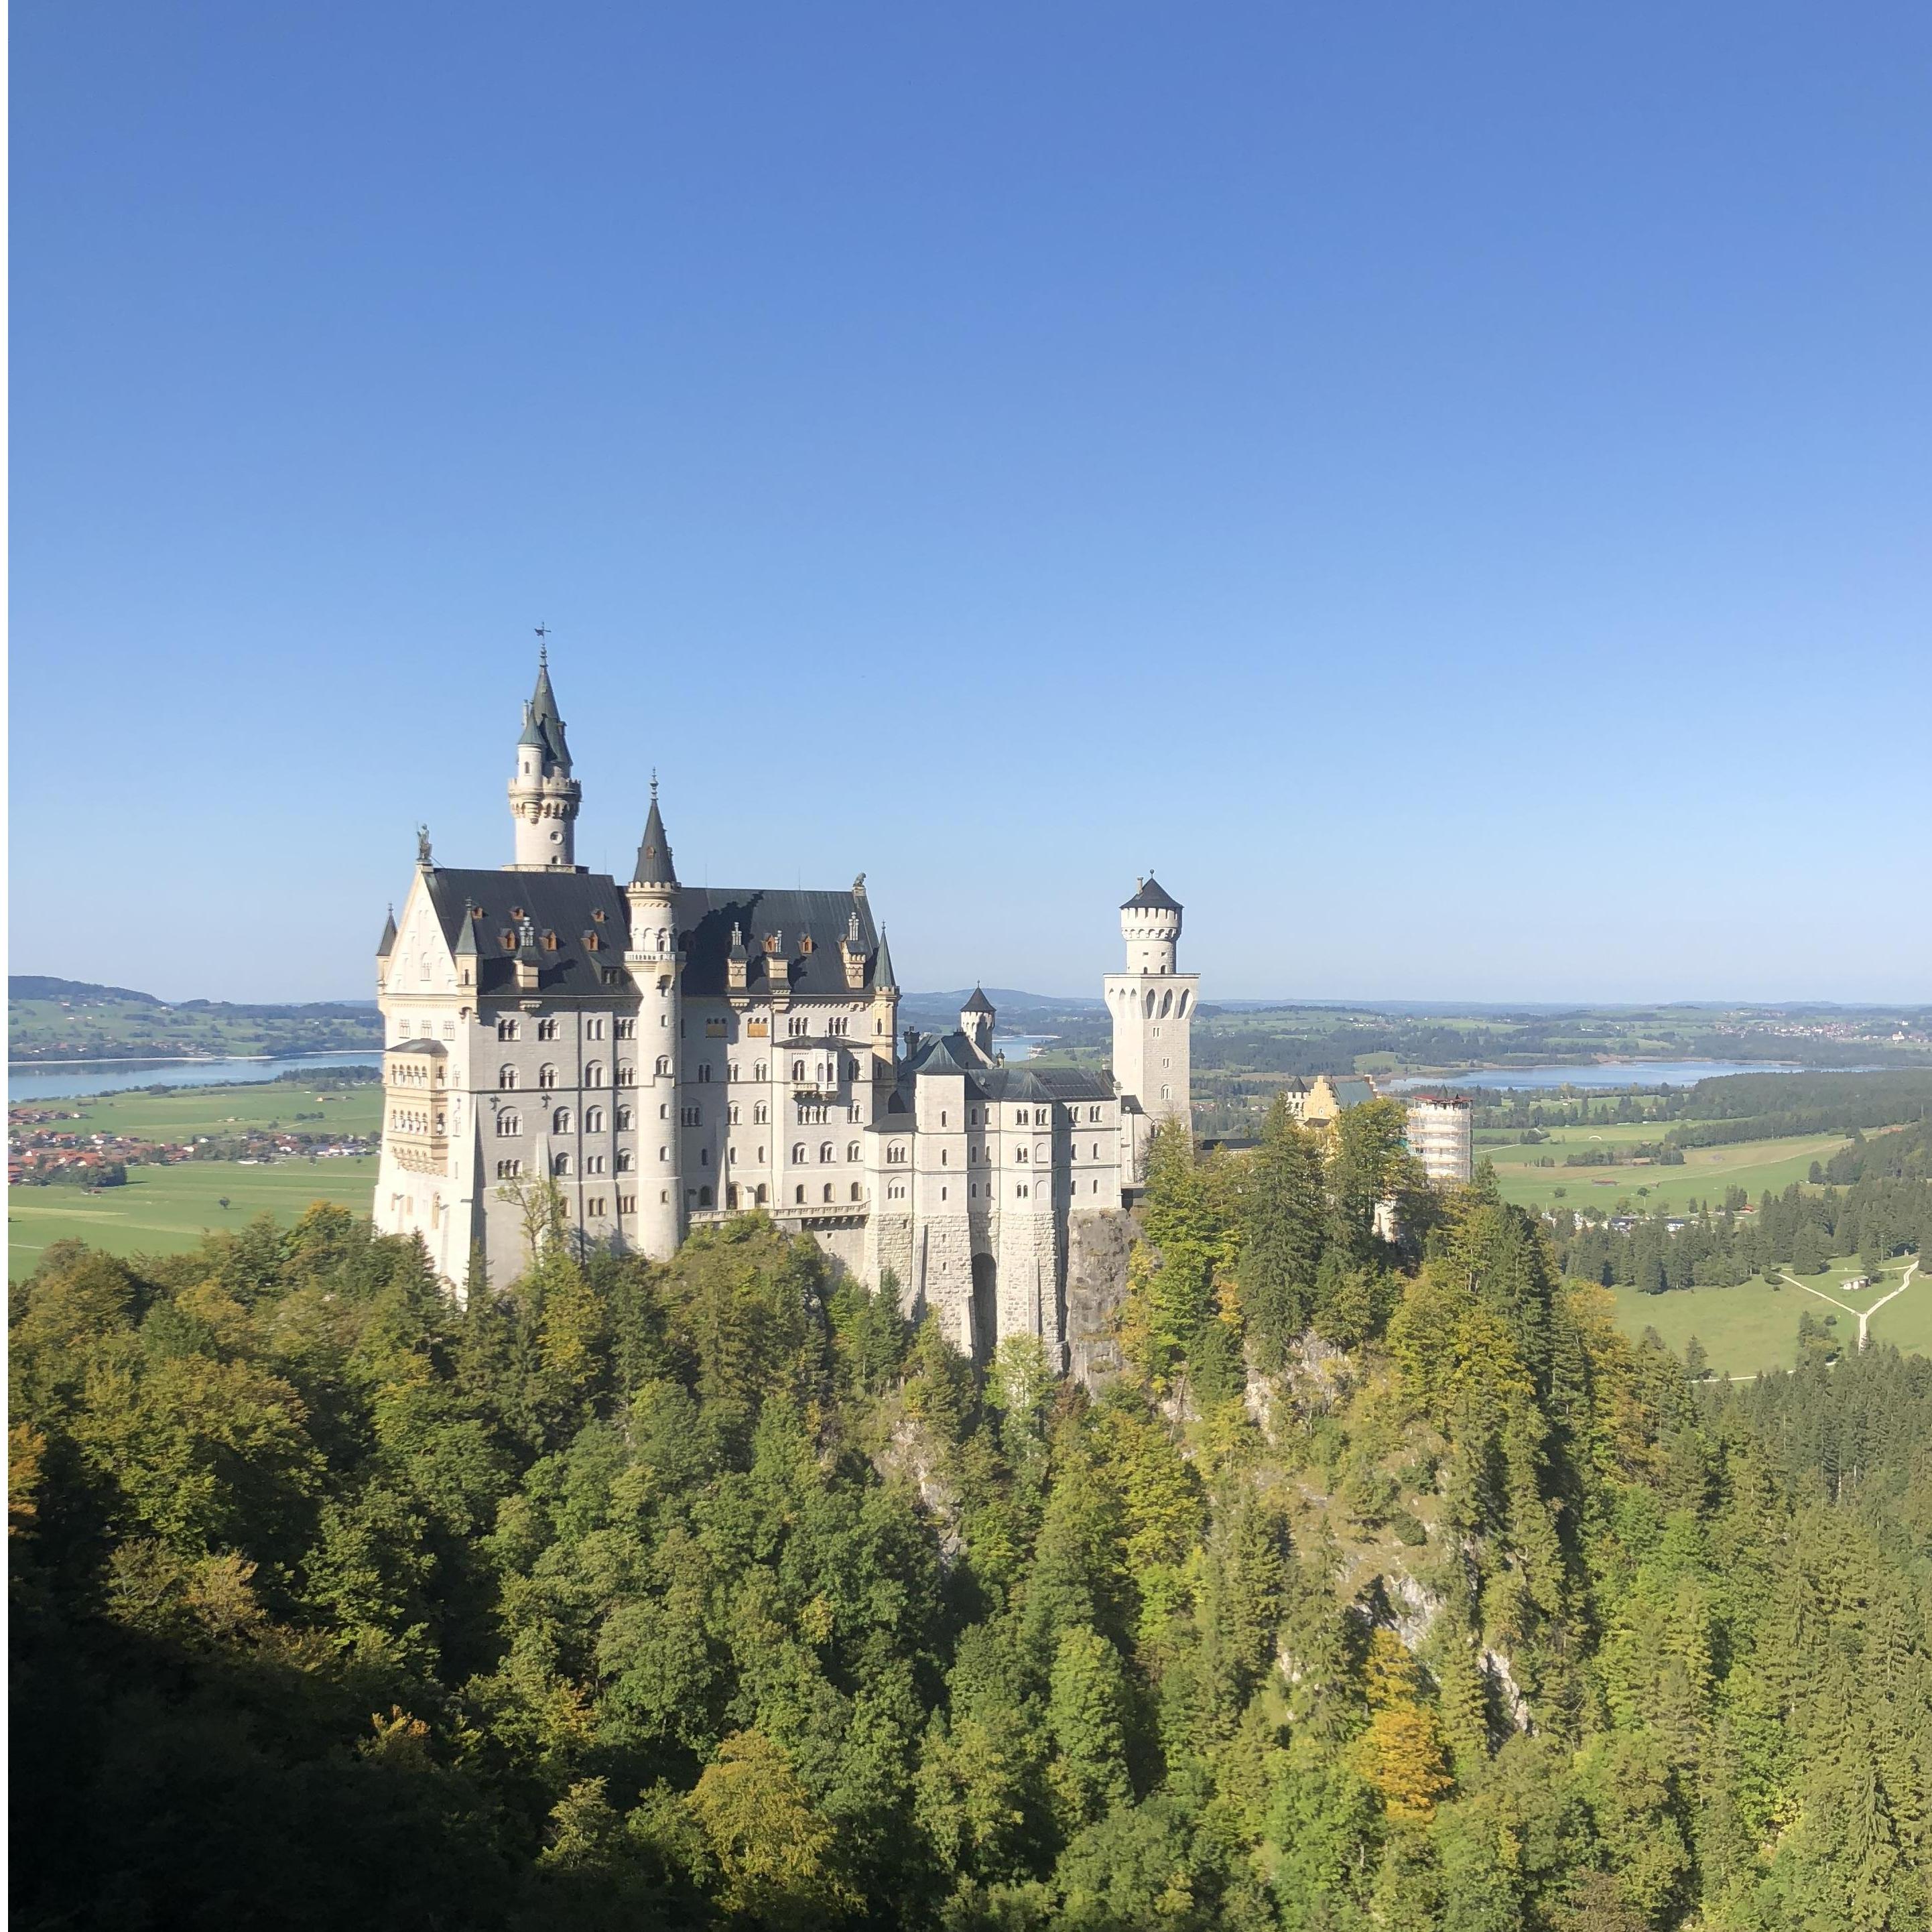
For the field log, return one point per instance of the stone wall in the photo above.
(1096, 1286)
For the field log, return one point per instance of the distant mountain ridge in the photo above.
(52, 1018)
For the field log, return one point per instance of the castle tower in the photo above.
(976, 1022)
(1152, 1005)
(651, 959)
(544, 797)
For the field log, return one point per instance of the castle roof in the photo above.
(979, 1003)
(882, 967)
(387, 944)
(1151, 897)
(707, 914)
(543, 724)
(654, 867)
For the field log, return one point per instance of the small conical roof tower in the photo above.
(882, 977)
(543, 723)
(386, 944)
(654, 866)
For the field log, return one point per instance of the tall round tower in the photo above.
(543, 796)
(1152, 1007)
(651, 959)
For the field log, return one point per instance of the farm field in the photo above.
(187, 1111)
(1749, 1329)
(166, 1209)
(1753, 1165)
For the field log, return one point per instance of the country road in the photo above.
(1864, 1317)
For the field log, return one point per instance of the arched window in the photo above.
(828, 1192)
(627, 1074)
(1182, 1008)
(858, 1192)
(559, 1120)
(506, 1079)
(730, 1070)
(546, 1029)
(798, 1069)
(664, 1064)
(704, 1197)
(507, 1125)
(704, 1073)
(851, 1150)
(546, 1077)
(825, 1150)
(593, 1074)
(506, 1029)
(623, 1120)
(731, 1195)
(1166, 1004)
(759, 1071)
(798, 1154)
(943, 1161)
(761, 1114)
(798, 1196)
(1150, 1004)
(758, 1196)
(593, 1119)
(561, 1165)
(623, 1160)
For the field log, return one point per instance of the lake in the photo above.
(38, 1081)
(1609, 1073)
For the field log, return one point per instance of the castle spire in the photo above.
(543, 796)
(654, 866)
(387, 944)
(882, 976)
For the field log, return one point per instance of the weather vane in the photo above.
(543, 644)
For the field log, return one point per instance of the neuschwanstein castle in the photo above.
(671, 1055)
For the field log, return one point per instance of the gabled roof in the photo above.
(1151, 897)
(945, 1053)
(573, 906)
(705, 916)
(1076, 1083)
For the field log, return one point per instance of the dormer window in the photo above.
(597, 913)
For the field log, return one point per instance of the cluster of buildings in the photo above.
(665, 1057)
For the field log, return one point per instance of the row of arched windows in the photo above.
(507, 1078)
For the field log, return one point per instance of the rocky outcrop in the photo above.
(1096, 1286)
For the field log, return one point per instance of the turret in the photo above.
(1150, 924)
(976, 1022)
(652, 961)
(652, 893)
(543, 796)
(385, 947)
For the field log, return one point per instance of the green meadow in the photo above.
(182, 1113)
(1747, 1330)
(1753, 1165)
(167, 1209)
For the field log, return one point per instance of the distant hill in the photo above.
(52, 1019)
(1010, 1002)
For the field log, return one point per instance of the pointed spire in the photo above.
(543, 723)
(654, 866)
(979, 1003)
(465, 939)
(882, 973)
(387, 944)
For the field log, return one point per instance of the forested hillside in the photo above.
(1389, 1587)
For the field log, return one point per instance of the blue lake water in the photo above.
(1609, 1073)
(39, 1082)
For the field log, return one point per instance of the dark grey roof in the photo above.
(654, 867)
(1151, 897)
(543, 726)
(1012, 1083)
(387, 944)
(882, 967)
(466, 945)
(1075, 1083)
(434, 1049)
(706, 914)
(565, 904)
(978, 1003)
(947, 1053)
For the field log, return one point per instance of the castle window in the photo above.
(761, 1114)
(593, 1074)
(594, 1165)
(759, 1070)
(942, 1194)
(973, 1191)
(798, 1197)
(798, 1154)
(627, 1029)
(858, 1192)
(664, 1064)
(851, 1150)
(664, 1153)
(942, 1117)
(627, 1074)
(731, 1195)
(546, 1029)
(1166, 1062)
(798, 1026)
(1166, 1004)
(623, 1160)
(593, 1119)
(1040, 1116)
(704, 1156)
(449, 1029)
(627, 1204)
(824, 1151)
(943, 1160)
(1019, 1153)
(624, 1120)
(559, 1121)
(1021, 1190)
(1167, 1093)
(758, 1193)
(594, 1206)
(546, 1076)
(1181, 1009)
(828, 1193)
(1093, 1113)
(896, 1153)
(593, 1029)
(704, 1074)
(508, 1125)
(731, 1069)
(798, 1069)
(506, 1079)
(561, 1165)
(1019, 1117)
(896, 1192)
(731, 1113)
(731, 1156)
(688, 1117)
(704, 1197)
(508, 1170)
(506, 1029)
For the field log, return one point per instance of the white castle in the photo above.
(669, 1056)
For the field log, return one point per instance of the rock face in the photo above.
(1096, 1286)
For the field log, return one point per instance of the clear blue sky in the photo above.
(1450, 488)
